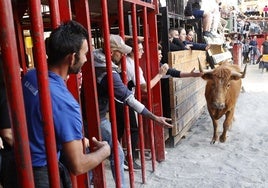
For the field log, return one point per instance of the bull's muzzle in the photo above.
(218, 105)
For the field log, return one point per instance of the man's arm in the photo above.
(79, 162)
(6, 135)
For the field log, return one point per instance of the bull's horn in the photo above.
(199, 64)
(240, 74)
(236, 74)
(201, 69)
(244, 72)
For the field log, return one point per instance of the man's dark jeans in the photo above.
(41, 178)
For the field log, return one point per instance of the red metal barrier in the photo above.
(14, 94)
(61, 10)
(138, 87)
(106, 36)
(45, 102)
(148, 72)
(126, 112)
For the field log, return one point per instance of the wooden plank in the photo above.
(181, 119)
(215, 49)
(186, 95)
(186, 60)
(173, 140)
(181, 95)
(217, 58)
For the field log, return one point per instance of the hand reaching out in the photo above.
(163, 69)
(196, 74)
(163, 121)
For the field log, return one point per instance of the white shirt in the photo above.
(130, 64)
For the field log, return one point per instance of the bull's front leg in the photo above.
(215, 129)
(226, 124)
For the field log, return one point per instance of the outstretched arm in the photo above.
(191, 74)
(162, 72)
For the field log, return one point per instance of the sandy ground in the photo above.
(240, 162)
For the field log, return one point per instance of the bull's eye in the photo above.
(228, 85)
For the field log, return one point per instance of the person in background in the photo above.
(174, 43)
(265, 11)
(174, 72)
(254, 49)
(180, 43)
(264, 46)
(8, 175)
(264, 49)
(190, 35)
(66, 48)
(131, 77)
(193, 8)
(121, 93)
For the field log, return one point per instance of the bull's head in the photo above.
(219, 81)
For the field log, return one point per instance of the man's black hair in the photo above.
(64, 40)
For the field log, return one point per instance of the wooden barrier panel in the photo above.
(186, 60)
(184, 99)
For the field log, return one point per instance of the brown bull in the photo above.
(222, 90)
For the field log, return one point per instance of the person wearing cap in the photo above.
(131, 78)
(121, 93)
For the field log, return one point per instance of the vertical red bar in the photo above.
(138, 87)
(65, 14)
(15, 96)
(106, 36)
(65, 10)
(90, 94)
(44, 93)
(54, 13)
(156, 92)
(126, 112)
(148, 78)
(20, 39)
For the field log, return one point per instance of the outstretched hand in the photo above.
(163, 121)
(163, 69)
(196, 74)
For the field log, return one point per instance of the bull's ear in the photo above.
(207, 76)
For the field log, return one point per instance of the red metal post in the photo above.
(126, 112)
(44, 94)
(138, 88)
(54, 13)
(156, 92)
(237, 54)
(148, 78)
(20, 39)
(106, 36)
(15, 96)
(65, 10)
(66, 15)
(91, 100)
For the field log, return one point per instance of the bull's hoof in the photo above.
(222, 138)
(212, 141)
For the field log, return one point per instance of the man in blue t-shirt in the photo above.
(66, 50)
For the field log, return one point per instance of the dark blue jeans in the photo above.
(41, 179)
(8, 175)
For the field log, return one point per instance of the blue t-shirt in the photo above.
(66, 115)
